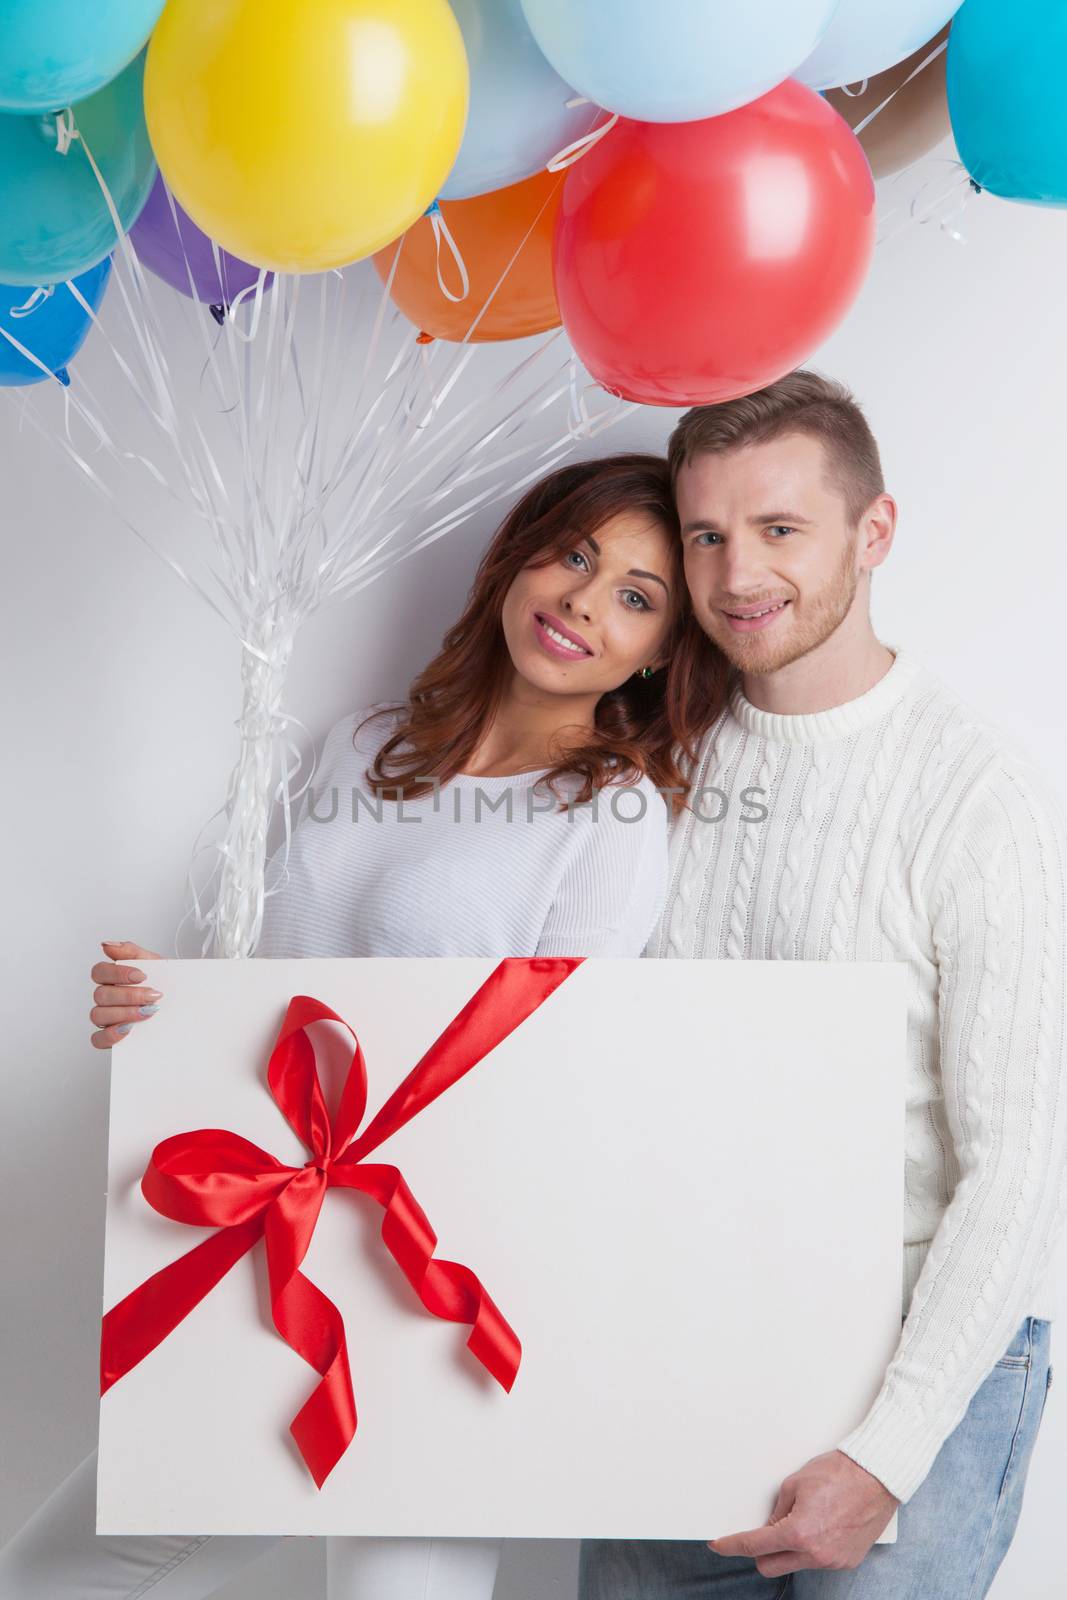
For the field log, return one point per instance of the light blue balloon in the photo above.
(54, 220)
(52, 326)
(676, 60)
(53, 52)
(518, 117)
(1005, 76)
(870, 36)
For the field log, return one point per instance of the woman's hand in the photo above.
(119, 999)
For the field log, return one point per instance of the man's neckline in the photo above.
(837, 722)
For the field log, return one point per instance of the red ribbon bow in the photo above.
(211, 1175)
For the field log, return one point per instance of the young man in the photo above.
(901, 826)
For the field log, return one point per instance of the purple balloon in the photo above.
(178, 252)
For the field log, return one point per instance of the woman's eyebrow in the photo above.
(634, 572)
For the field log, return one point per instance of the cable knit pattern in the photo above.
(799, 856)
(903, 826)
(737, 931)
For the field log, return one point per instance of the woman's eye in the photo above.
(643, 604)
(577, 553)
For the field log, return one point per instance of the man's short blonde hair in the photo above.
(801, 402)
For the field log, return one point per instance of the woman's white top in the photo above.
(484, 866)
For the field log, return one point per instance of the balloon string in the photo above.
(580, 147)
(257, 289)
(962, 181)
(443, 233)
(42, 293)
(914, 73)
(151, 348)
(491, 296)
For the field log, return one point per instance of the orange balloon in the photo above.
(488, 229)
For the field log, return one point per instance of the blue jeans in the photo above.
(952, 1534)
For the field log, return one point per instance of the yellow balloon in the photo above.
(305, 134)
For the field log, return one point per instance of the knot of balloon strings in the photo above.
(66, 131)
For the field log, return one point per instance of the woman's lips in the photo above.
(552, 646)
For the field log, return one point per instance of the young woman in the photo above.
(538, 755)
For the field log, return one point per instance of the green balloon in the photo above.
(54, 219)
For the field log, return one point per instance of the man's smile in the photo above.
(751, 617)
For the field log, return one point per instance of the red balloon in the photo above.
(699, 261)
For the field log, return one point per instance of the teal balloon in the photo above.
(518, 117)
(53, 52)
(679, 60)
(54, 220)
(1004, 76)
(53, 329)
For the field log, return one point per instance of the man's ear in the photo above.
(879, 526)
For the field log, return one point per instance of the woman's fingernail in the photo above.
(146, 1011)
(123, 1027)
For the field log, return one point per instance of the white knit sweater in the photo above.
(487, 866)
(902, 826)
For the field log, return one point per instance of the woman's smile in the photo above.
(558, 640)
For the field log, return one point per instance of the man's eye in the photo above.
(707, 534)
(783, 526)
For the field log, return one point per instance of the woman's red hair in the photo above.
(454, 699)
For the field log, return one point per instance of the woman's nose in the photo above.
(577, 605)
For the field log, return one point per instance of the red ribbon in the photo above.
(211, 1175)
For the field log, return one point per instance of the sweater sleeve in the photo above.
(998, 929)
(611, 892)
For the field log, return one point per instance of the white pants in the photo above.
(58, 1555)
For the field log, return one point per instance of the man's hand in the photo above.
(827, 1515)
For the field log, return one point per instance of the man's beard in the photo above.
(767, 650)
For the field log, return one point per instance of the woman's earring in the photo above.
(644, 672)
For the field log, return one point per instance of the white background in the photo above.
(122, 689)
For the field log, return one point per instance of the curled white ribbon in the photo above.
(442, 234)
(580, 147)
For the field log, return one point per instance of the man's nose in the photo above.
(740, 571)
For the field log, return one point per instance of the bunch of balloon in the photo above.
(325, 429)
